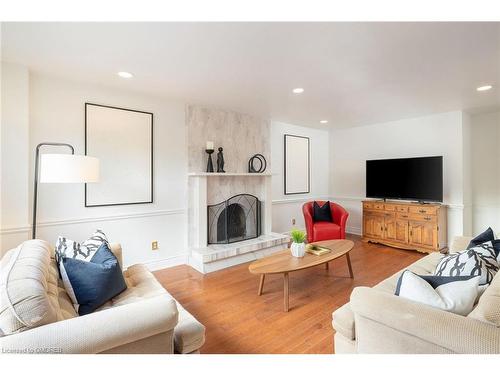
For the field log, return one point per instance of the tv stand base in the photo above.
(409, 226)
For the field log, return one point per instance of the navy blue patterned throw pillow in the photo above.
(477, 261)
(486, 236)
(322, 213)
(92, 282)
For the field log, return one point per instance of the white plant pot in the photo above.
(298, 249)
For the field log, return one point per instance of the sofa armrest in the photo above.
(308, 220)
(340, 216)
(98, 331)
(453, 332)
(459, 243)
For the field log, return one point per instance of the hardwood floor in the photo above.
(239, 321)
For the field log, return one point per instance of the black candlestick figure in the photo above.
(210, 165)
(220, 161)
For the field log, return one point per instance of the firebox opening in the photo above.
(236, 224)
(236, 219)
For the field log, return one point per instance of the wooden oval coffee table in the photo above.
(283, 262)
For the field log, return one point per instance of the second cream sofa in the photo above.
(377, 321)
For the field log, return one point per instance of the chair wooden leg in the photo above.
(261, 284)
(285, 291)
(349, 265)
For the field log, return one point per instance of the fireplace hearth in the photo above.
(236, 219)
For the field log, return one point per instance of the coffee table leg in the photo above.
(285, 291)
(261, 284)
(327, 266)
(349, 265)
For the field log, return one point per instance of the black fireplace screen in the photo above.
(236, 219)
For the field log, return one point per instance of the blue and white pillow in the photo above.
(84, 251)
(92, 281)
(480, 260)
(455, 294)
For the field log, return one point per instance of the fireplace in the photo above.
(236, 219)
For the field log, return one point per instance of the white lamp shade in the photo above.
(66, 168)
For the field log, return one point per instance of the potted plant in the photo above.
(298, 247)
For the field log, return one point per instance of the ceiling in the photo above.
(352, 73)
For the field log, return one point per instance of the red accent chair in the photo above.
(323, 230)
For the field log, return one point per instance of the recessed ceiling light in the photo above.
(323, 121)
(298, 90)
(484, 88)
(125, 74)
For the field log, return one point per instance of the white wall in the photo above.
(56, 113)
(14, 151)
(440, 134)
(288, 207)
(485, 171)
(467, 173)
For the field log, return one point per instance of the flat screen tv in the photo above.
(419, 179)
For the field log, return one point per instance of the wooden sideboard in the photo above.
(412, 226)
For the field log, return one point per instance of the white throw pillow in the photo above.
(454, 294)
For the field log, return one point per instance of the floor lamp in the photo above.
(61, 168)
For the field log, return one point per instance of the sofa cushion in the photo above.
(140, 284)
(459, 243)
(488, 308)
(326, 231)
(30, 293)
(425, 266)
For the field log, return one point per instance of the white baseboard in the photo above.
(353, 230)
(160, 264)
(300, 199)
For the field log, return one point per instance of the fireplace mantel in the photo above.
(228, 174)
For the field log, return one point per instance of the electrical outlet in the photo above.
(154, 245)
(293, 221)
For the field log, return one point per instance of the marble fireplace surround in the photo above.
(241, 136)
(205, 186)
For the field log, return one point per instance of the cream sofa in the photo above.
(377, 321)
(37, 316)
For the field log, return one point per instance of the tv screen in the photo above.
(418, 179)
